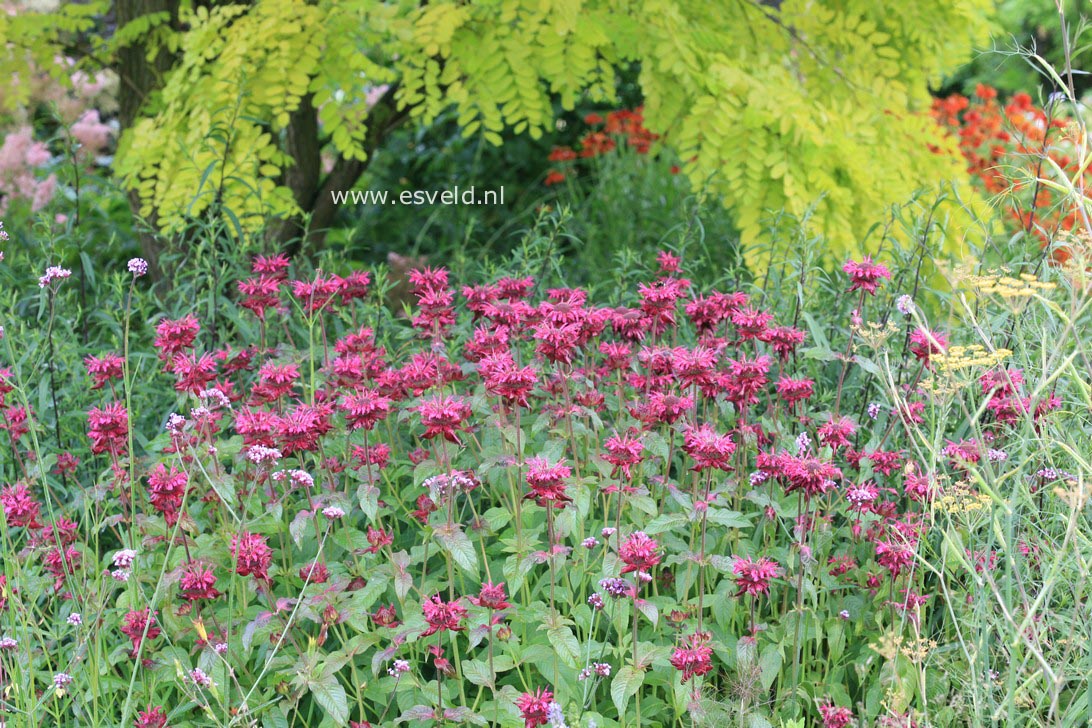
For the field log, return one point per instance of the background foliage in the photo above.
(254, 93)
(730, 135)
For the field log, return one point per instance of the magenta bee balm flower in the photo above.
(865, 275)
(442, 615)
(252, 555)
(753, 577)
(639, 552)
(534, 707)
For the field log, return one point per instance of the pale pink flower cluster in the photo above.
(53, 273)
(138, 267)
(259, 454)
(298, 478)
(20, 159)
(24, 160)
(200, 678)
(123, 561)
(91, 133)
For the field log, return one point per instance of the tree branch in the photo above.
(383, 118)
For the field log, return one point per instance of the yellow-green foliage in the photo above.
(816, 102)
(211, 130)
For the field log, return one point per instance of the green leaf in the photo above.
(417, 712)
(566, 644)
(275, 719)
(350, 539)
(817, 335)
(225, 490)
(457, 544)
(769, 663)
(331, 697)
(869, 366)
(477, 672)
(403, 582)
(497, 518)
(651, 612)
(368, 495)
(725, 517)
(363, 599)
(815, 352)
(665, 522)
(516, 570)
(298, 526)
(644, 503)
(656, 444)
(836, 640)
(625, 685)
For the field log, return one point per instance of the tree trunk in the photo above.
(317, 202)
(139, 79)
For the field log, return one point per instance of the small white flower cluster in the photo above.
(601, 669)
(398, 667)
(175, 424)
(859, 495)
(259, 454)
(440, 487)
(200, 678)
(803, 442)
(53, 273)
(215, 398)
(138, 267)
(123, 563)
(298, 478)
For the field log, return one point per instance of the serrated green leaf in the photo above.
(725, 517)
(331, 697)
(456, 543)
(368, 497)
(665, 522)
(650, 610)
(770, 664)
(566, 644)
(297, 527)
(624, 686)
(516, 570)
(403, 582)
(477, 672)
(497, 518)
